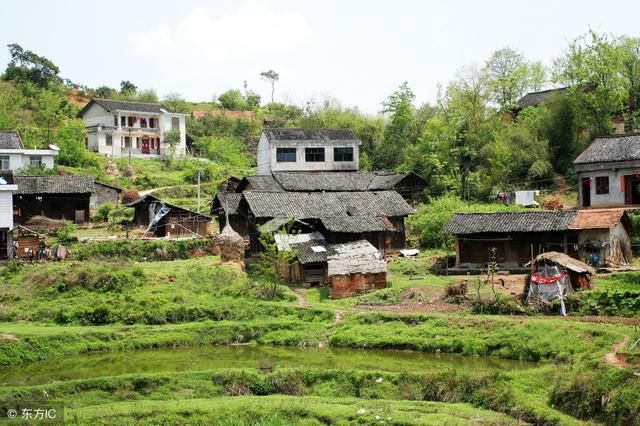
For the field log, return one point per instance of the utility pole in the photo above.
(198, 188)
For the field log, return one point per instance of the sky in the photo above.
(357, 52)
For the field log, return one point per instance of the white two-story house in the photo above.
(7, 188)
(14, 156)
(307, 150)
(118, 128)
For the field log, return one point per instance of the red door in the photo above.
(145, 145)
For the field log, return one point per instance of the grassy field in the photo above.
(75, 308)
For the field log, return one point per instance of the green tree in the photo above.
(271, 76)
(105, 92)
(127, 87)
(401, 130)
(232, 100)
(592, 68)
(70, 139)
(176, 102)
(49, 112)
(147, 95)
(29, 67)
(171, 138)
(11, 106)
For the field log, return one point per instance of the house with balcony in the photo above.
(7, 188)
(307, 150)
(14, 156)
(119, 128)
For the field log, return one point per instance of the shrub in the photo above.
(65, 235)
(103, 212)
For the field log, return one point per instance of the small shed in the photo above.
(311, 251)
(166, 220)
(26, 242)
(104, 194)
(355, 267)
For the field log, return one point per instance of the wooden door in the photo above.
(586, 192)
(145, 145)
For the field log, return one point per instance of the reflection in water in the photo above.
(262, 357)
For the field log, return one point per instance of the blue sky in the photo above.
(355, 51)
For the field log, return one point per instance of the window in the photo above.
(115, 120)
(35, 161)
(175, 123)
(109, 139)
(138, 143)
(152, 123)
(314, 154)
(4, 162)
(127, 142)
(286, 155)
(602, 184)
(342, 154)
(143, 123)
(123, 120)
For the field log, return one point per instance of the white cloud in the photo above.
(253, 31)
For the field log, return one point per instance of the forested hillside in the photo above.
(472, 141)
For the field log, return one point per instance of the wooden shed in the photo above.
(166, 220)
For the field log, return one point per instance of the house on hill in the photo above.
(166, 220)
(117, 128)
(307, 150)
(609, 172)
(7, 189)
(593, 235)
(54, 197)
(14, 156)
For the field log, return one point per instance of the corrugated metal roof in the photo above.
(10, 139)
(535, 221)
(302, 205)
(611, 149)
(33, 185)
(357, 257)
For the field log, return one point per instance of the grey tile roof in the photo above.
(610, 149)
(356, 224)
(307, 205)
(112, 105)
(306, 253)
(356, 257)
(537, 98)
(33, 185)
(228, 201)
(10, 139)
(260, 183)
(535, 221)
(339, 181)
(279, 134)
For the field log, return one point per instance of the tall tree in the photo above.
(49, 111)
(401, 130)
(28, 66)
(127, 87)
(271, 76)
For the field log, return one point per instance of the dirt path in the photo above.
(612, 357)
(301, 300)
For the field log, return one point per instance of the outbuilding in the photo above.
(166, 220)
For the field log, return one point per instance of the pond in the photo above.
(203, 358)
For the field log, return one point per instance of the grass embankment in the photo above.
(199, 302)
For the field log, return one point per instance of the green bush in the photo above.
(65, 235)
(143, 251)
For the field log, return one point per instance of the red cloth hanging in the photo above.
(539, 279)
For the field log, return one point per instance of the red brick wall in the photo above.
(348, 285)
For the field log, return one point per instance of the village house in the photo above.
(609, 172)
(164, 220)
(105, 194)
(594, 236)
(117, 128)
(54, 197)
(348, 268)
(7, 189)
(307, 150)
(14, 156)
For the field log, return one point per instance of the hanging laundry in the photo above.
(526, 198)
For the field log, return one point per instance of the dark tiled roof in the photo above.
(260, 183)
(535, 221)
(228, 201)
(112, 105)
(306, 253)
(339, 181)
(10, 139)
(357, 224)
(611, 148)
(33, 185)
(310, 134)
(537, 98)
(303, 205)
